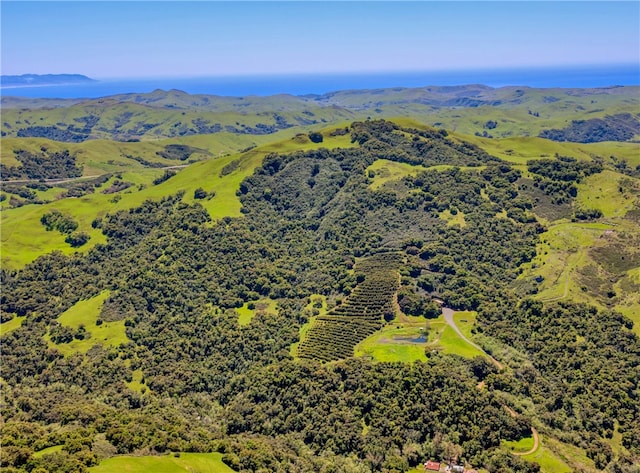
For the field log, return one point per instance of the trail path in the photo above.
(49, 181)
(71, 179)
(536, 442)
(448, 318)
(566, 287)
(534, 434)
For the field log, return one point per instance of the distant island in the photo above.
(34, 80)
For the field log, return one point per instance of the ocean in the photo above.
(567, 77)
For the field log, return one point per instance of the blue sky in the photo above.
(172, 39)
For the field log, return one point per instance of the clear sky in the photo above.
(166, 39)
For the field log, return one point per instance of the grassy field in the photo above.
(451, 343)
(457, 219)
(409, 341)
(548, 461)
(519, 150)
(245, 315)
(563, 249)
(519, 446)
(594, 262)
(555, 456)
(610, 192)
(185, 463)
(86, 313)
(397, 342)
(47, 451)
(136, 383)
(385, 171)
(11, 325)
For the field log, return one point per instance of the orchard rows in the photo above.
(363, 312)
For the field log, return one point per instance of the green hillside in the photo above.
(360, 299)
(473, 109)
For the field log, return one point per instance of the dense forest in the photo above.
(621, 127)
(313, 224)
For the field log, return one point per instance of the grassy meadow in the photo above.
(246, 314)
(85, 313)
(595, 262)
(172, 463)
(11, 325)
(410, 340)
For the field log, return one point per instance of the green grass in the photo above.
(136, 383)
(630, 305)
(17, 250)
(465, 320)
(186, 463)
(548, 461)
(392, 344)
(632, 312)
(457, 219)
(563, 249)
(566, 258)
(555, 456)
(47, 451)
(11, 325)
(86, 313)
(519, 446)
(386, 171)
(521, 149)
(245, 315)
(451, 343)
(602, 191)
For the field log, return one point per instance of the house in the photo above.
(458, 469)
(431, 466)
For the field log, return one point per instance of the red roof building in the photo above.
(431, 466)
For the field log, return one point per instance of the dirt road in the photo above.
(448, 318)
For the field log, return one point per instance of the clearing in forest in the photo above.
(77, 329)
(182, 463)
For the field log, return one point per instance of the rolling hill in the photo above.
(274, 293)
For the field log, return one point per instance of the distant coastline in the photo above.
(310, 84)
(43, 80)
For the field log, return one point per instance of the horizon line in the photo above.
(549, 67)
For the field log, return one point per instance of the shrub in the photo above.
(77, 239)
(316, 137)
(200, 193)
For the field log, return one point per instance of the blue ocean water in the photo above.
(592, 76)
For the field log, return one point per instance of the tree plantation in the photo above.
(157, 362)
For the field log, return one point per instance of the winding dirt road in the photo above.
(534, 434)
(448, 318)
(536, 442)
